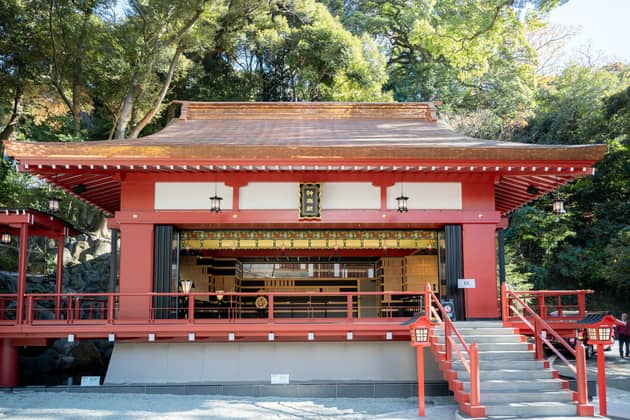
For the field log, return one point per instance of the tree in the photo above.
(72, 28)
(291, 51)
(20, 62)
(154, 35)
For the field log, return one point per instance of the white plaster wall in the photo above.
(269, 196)
(234, 362)
(190, 195)
(427, 195)
(350, 195)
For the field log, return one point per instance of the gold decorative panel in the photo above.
(317, 239)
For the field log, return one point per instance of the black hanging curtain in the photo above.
(454, 267)
(164, 306)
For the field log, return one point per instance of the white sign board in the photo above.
(466, 283)
(279, 379)
(90, 380)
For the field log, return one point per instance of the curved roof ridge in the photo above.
(191, 110)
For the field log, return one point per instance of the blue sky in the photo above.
(604, 23)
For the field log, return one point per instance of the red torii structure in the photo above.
(24, 223)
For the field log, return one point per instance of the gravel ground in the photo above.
(63, 405)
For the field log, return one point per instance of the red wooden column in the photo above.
(21, 283)
(59, 278)
(136, 270)
(8, 363)
(479, 249)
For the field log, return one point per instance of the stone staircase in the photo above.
(512, 383)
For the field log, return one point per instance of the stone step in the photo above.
(484, 347)
(487, 365)
(516, 386)
(460, 416)
(486, 338)
(502, 397)
(478, 331)
(506, 355)
(532, 409)
(478, 324)
(508, 374)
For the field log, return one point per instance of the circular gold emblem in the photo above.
(261, 302)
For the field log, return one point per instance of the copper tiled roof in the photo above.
(211, 135)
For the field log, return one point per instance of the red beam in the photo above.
(288, 218)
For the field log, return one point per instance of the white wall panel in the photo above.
(350, 195)
(269, 196)
(190, 195)
(236, 362)
(427, 195)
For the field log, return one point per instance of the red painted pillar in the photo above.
(479, 249)
(59, 278)
(420, 351)
(136, 271)
(21, 283)
(8, 363)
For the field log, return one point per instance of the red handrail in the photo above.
(472, 364)
(541, 326)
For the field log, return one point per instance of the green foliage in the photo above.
(587, 247)
(290, 51)
(617, 255)
(570, 107)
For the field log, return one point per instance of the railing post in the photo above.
(110, 309)
(191, 309)
(447, 341)
(538, 343)
(270, 307)
(69, 309)
(583, 407)
(541, 305)
(58, 307)
(504, 302)
(29, 309)
(349, 306)
(559, 304)
(475, 396)
(427, 302)
(581, 303)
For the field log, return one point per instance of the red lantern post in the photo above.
(600, 333)
(420, 332)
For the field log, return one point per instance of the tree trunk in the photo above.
(135, 131)
(76, 111)
(125, 112)
(16, 112)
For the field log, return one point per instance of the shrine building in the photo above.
(262, 239)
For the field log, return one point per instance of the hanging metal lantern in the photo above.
(215, 203)
(402, 201)
(53, 204)
(558, 206)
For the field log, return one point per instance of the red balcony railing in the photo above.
(194, 307)
(551, 305)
